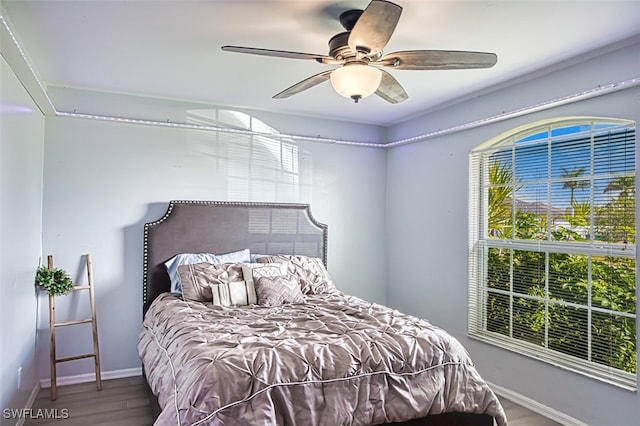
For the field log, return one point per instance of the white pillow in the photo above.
(241, 293)
(191, 258)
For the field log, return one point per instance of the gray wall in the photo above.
(104, 180)
(21, 151)
(427, 216)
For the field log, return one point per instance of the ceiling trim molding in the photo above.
(17, 59)
(37, 90)
(181, 125)
(576, 97)
(580, 96)
(32, 83)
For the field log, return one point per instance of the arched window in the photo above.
(552, 245)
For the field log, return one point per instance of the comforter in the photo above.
(335, 360)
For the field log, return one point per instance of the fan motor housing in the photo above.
(339, 43)
(348, 18)
(339, 46)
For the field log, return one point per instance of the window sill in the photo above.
(621, 379)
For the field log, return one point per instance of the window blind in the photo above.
(552, 270)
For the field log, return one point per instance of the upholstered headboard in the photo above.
(221, 227)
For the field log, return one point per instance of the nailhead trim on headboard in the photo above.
(293, 206)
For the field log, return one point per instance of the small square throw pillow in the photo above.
(279, 290)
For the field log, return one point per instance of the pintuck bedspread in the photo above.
(334, 360)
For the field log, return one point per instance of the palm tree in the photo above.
(501, 195)
(616, 220)
(573, 183)
(625, 185)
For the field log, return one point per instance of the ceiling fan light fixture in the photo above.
(356, 81)
(359, 49)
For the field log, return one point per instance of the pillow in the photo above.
(221, 284)
(310, 271)
(276, 291)
(253, 271)
(190, 258)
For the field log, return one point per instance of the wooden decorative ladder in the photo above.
(53, 325)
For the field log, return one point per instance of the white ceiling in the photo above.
(171, 49)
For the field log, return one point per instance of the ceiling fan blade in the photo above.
(437, 60)
(374, 28)
(281, 54)
(304, 85)
(390, 90)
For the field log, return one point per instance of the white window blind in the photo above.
(552, 245)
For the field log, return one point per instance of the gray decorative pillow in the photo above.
(276, 291)
(310, 271)
(189, 258)
(221, 284)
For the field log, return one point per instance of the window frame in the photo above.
(480, 243)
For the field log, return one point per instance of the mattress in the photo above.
(334, 360)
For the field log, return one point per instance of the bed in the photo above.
(327, 358)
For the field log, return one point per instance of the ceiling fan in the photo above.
(358, 51)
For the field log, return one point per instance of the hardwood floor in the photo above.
(123, 402)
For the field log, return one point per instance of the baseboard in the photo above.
(32, 398)
(91, 377)
(536, 407)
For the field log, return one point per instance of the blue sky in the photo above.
(571, 149)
